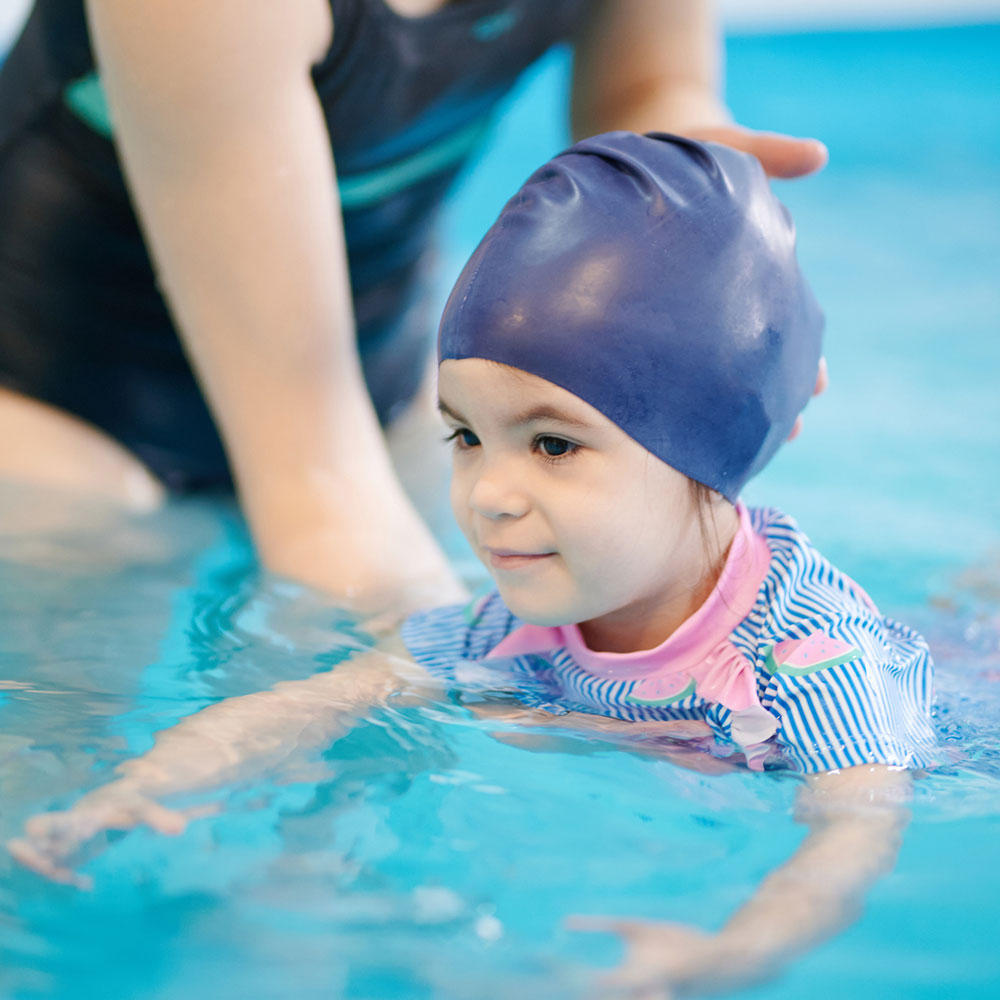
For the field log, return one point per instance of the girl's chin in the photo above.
(532, 613)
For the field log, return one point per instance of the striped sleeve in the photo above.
(869, 705)
(442, 638)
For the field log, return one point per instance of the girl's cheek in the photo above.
(459, 496)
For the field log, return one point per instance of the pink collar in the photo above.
(700, 648)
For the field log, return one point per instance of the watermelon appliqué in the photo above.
(659, 691)
(799, 657)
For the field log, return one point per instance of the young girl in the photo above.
(630, 343)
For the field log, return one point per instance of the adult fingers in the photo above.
(822, 383)
(780, 155)
(822, 378)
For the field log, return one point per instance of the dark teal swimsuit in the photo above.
(82, 325)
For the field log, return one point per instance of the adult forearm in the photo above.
(656, 65)
(648, 65)
(228, 159)
(326, 507)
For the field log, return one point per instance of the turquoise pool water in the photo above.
(429, 859)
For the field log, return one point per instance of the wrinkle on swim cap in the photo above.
(655, 278)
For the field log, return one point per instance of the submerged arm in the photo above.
(222, 743)
(856, 820)
(253, 732)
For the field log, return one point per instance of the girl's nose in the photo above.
(496, 493)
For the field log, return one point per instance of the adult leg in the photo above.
(43, 446)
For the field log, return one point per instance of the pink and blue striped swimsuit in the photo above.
(788, 663)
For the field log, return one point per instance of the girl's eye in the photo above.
(463, 438)
(555, 447)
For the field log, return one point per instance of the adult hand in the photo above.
(780, 155)
(51, 839)
(664, 961)
(382, 613)
(822, 381)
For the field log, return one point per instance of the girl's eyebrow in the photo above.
(545, 412)
(540, 412)
(447, 411)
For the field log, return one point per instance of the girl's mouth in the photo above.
(509, 560)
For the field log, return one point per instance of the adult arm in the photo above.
(229, 164)
(226, 742)
(656, 65)
(856, 819)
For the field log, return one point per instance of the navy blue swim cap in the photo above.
(655, 278)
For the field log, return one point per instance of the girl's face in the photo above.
(576, 521)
